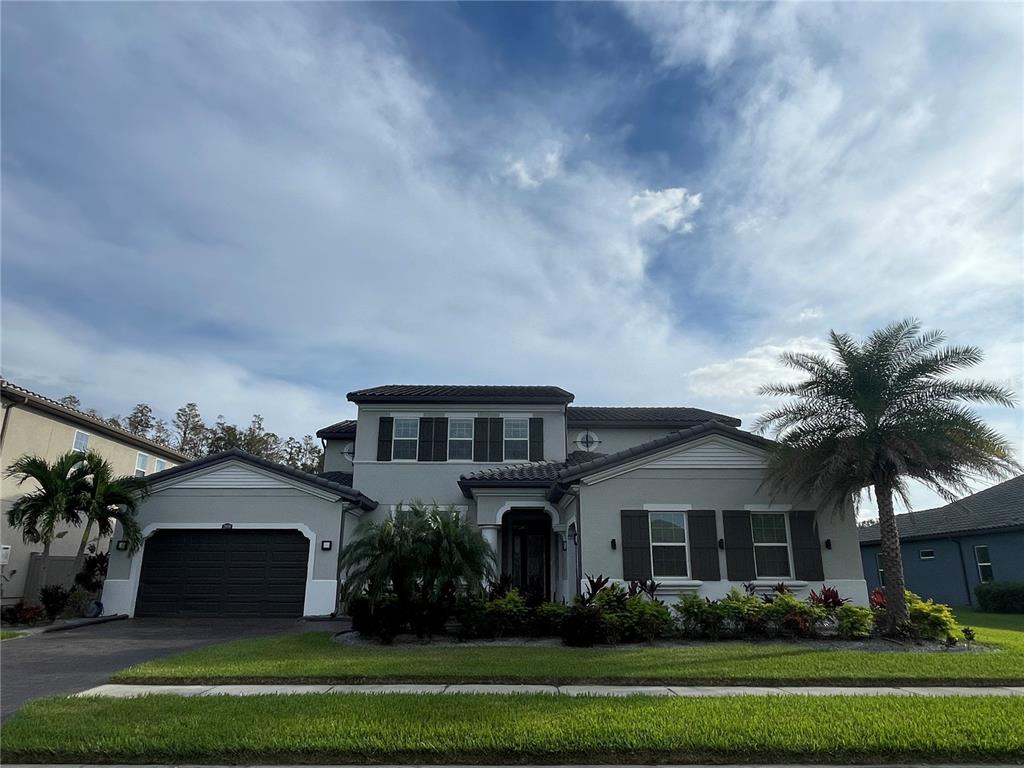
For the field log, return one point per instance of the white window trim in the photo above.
(922, 556)
(686, 528)
(504, 420)
(788, 545)
(74, 440)
(157, 460)
(394, 440)
(471, 439)
(978, 563)
(145, 464)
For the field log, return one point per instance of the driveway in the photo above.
(70, 661)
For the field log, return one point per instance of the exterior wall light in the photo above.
(326, 544)
(828, 543)
(614, 545)
(122, 545)
(227, 527)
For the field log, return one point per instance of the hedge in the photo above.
(1001, 596)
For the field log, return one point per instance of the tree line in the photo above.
(188, 433)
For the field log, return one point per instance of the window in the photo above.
(668, 543)
(81, 441)
(984, 560)
(159, 465)
(141, 464)
(517, 439)
(771, 545)
(407, 433)
(460, 439)
(878, 565)
(926, 554)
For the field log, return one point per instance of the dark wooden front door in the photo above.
(526, 549)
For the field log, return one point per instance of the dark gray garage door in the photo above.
(223, 573)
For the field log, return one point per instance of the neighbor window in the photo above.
(881, 572)
(984, 561)
(159, 465)
(141, 465)
(517, 439)
(407, 433)
(926, 554)
(771, 545)
(81, 441)
(668, 543)
(460, 439)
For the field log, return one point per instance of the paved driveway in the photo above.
(65, 662)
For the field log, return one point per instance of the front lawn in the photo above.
(314, 657)
(338, 728)
(9, 634)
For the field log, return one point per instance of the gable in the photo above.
(712, 452)
(238, 476)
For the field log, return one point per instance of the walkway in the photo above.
(117, 691)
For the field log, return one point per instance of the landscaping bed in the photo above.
(465, 728)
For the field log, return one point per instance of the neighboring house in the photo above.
(36, 425)
(558, 491)
(949, 550)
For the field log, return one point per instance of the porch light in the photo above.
(828, 543)
(122, 545)
(326, 544)
(613, 544)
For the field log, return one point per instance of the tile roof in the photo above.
(630, 416)
(237, 454)
(1001, 506)
(460, 393)
(529, 471)
(16, 393)
(343, 429)
(341, 478)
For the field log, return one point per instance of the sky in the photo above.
(261, 207)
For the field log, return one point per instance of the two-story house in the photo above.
(35, 425)
(559, 491)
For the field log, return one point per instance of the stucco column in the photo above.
(490, 533)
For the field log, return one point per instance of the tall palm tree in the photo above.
(104, 499)
(458, 556)
(877, 414)
(39, 513)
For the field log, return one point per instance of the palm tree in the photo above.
(458, 556)
(103, 500)
(41, 512)
(876, 414)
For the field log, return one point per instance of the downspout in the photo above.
(345, 506)
(963, 568)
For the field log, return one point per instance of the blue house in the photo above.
(949, 550)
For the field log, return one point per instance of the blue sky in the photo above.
(260, 207)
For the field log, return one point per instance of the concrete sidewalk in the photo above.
(117, 691)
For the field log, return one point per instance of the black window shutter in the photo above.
(425, 449)
(739, 546)
(495, 446)
(636, 545)
(536, 439)
(440, 439)
(703, 545)
(806, 547)
(385, 429)
(480, 439)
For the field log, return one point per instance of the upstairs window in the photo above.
(984, 561)
(771, 545)
(81, 441)
(517, 439)
(460, 439)
(141, 465)
(407, 433)
(668, 543)
(159, 465)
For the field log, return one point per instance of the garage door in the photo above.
(223, 573)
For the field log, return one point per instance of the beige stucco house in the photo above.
(36, 425)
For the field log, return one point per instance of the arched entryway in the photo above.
(526, 544)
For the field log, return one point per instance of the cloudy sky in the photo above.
(261, 207)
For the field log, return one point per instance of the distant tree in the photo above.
(140, 420)
(160, 433)
(94, 413)
(190, 433)
(306, 454)
(253, 439)
(116, 421)
(71, 401)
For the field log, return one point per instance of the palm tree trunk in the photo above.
(892, 560)
(80, 555)
(44, 567)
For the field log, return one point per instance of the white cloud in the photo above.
(671, 209)
(810, 313)
(530, 175)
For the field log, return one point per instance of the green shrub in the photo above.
(854, 622)
(787, 615)
(508, 615)
(699, 617)
(612, 598)
(583, 626)
(931, 620)
(1001, 596)
(473, 620)
(744, 614)
(547, 619)
(645, 619)
(54, 598)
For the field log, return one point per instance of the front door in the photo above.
(527, 553)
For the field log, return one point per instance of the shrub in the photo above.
(828, 598)
(382, 619)
(20, 613)
(744, 613)
(54, 598)
(594, 587)
(547, 619)
(645, 619)
(508, 615)
(611, 598)
(93, 573)
(583, 625)
(931, 620)
(77, 603)
(1001, 596)
(700, 617)
(877, 598)
(473, 620)
(854, 622)
(787, 615)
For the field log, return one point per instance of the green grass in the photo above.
(9, 634)
(314, 657)
(332, 728)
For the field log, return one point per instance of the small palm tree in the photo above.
(458, 556)
(39, 513)
(878, 413)
(104, 499)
